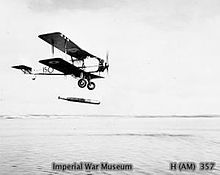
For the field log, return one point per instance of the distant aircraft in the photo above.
(77, 54)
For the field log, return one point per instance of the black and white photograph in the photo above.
(110, 87)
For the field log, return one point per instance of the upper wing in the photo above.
(67, 68)
(64, 44)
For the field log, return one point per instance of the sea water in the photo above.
(31, 144)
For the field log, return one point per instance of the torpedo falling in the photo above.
(80, 100)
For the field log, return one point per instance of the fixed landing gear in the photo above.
(91, 86)
(82, 83)
(34, 78)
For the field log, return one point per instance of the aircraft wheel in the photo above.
(91, 86)
(82, 83)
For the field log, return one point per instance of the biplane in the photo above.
(64, 67)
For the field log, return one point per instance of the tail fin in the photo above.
(23, 68)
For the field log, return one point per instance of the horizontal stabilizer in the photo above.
(23, 68)
(80, 100)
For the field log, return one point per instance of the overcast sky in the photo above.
(164, 55)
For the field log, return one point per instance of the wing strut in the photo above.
(65, 42)
(52, 48)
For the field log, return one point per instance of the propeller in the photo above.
(107, 62)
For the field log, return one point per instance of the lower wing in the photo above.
(67, 69)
